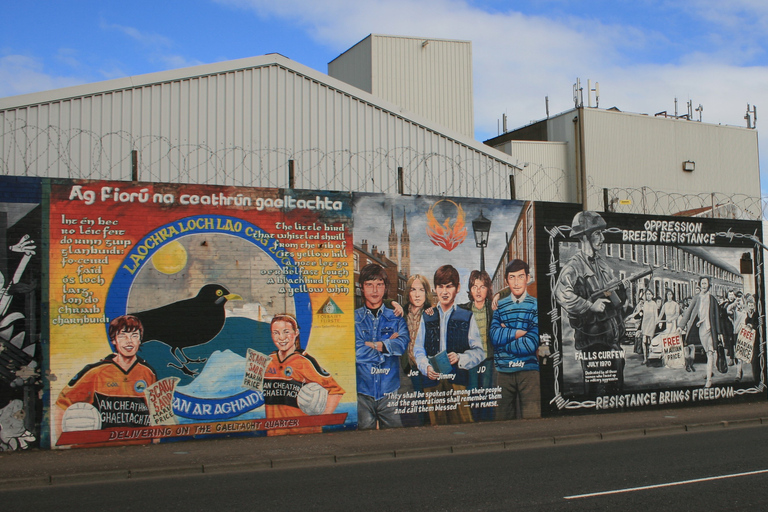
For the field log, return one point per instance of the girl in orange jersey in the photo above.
(289, 370)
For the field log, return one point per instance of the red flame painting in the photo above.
(446, 235)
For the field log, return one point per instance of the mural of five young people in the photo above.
(189, 311)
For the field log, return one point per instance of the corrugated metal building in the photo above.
(263, 121)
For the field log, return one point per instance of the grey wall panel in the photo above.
(354, 66)
(429, 77)
(644, 155)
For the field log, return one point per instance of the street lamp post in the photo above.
(481, 226)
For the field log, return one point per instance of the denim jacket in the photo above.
(379, 372)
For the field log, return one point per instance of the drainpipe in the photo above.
(581, 172)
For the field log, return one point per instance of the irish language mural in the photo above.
(135, 313)
(186, 311)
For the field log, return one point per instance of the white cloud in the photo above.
(176, 61)
(158, 47)
(68, 57)
(20, 74)
(147, 39)
(732, 14)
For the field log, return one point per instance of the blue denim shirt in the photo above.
(379, 372)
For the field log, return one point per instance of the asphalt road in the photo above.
(549, 478)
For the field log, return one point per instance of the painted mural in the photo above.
(651, 311)
(136, 313)
(20, 292)
(189, 311)
(436, 343)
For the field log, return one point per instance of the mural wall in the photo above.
(645, 311)
(444, 351)
(20, 323)
(188, 311)
(138, 313)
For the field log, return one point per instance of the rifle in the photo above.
(607, 291)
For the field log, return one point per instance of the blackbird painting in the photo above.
(187, 323)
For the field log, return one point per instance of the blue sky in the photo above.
(644, 53)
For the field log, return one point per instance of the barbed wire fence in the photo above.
(645, 200)
(52, 151)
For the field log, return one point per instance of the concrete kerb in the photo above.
(319, 460)
(88, 477)
(237, 467)
(10, 484)
(426, 451)
(381, 455)
(622, 434)
(478, 447)
(365, 456)
(665, 430)
(538, 442)
(751, 422)
(159, 472)
(703, 427)
(579, 438)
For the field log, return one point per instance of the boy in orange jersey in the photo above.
(115, 385)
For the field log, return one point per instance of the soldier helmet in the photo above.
(584, 223)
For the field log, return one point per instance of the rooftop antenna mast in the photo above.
(700, 109)
(578, 94)
(590, 90)
(597, 94)
(751, 116)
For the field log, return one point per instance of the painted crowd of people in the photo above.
(705, 320)
(427, 361)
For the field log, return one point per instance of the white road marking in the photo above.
(670, 484)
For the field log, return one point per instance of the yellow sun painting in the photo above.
(170, 258)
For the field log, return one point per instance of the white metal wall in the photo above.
(543, 170)
(240, 125)
(632, 150)
(639, 158)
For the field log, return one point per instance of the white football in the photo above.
(81, 416)
(312, 398)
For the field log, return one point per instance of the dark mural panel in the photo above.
(20, 325)
(646, 310)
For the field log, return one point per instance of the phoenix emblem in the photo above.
(446, 235)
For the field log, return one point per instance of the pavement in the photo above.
(36, 468)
